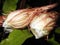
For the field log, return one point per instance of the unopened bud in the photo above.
(42, 24)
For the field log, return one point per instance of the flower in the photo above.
(22, 18)
(19, 18)
(43, 23)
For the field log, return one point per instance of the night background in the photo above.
(18, 37)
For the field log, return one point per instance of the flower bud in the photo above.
(19, 18)
(42, 24)
(22, 18)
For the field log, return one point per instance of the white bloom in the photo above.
(41, 24)
(19, 18)
(22, 18)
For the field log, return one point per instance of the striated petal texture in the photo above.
(42, 24)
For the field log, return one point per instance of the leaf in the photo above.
(53, 42)
(17, 37)
(57, 30)
(9, 6)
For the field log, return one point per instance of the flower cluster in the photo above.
(39, 20)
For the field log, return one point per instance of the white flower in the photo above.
(22, 18)
(42, 24)
(19, 18)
